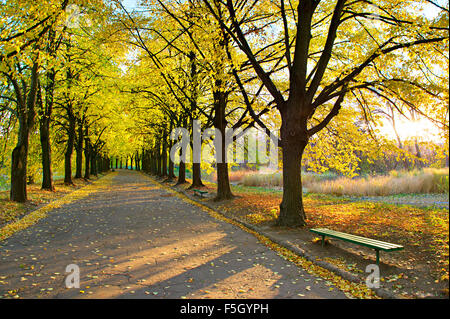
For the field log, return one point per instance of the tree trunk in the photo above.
(181, 171)
(46, 111)
(159, 173)
(99, 165)
(164, 156)
(418, 154)
(137, 161)
(171, 169)
(146, 162)
(44, 132)
(294, 137)
(26, 114)
(171, 174)
(292, 212)
(93, 162)
(196, 176)
(182, 165)
(87, 158)
(18, 192)
(92, 159)
(79, 151)
(69, 150)
(223, 181)
(196, 157)
(153, 162)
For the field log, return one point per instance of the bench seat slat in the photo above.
(355, 237)
(372, 243)
(358, 239)
(365, 240)
(198, 191)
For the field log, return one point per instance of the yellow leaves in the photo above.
(13, 293)
(424, 232)
(257, 218)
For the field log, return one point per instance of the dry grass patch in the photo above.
(414, 182)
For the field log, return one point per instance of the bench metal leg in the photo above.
(323, 240)
(378, 257)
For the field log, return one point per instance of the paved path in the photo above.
(136, 240)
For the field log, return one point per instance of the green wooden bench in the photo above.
(200, 192)
(363, 241)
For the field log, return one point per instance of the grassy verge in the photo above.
(424, 232)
